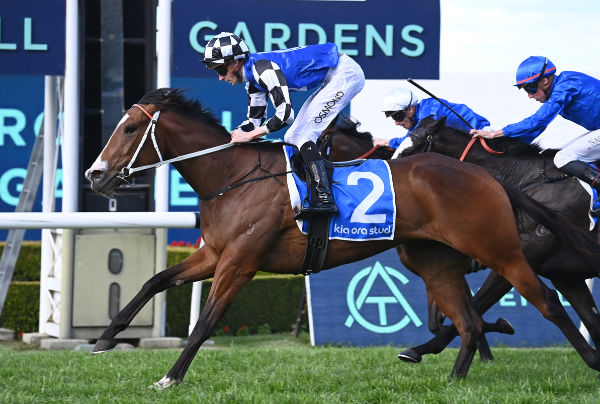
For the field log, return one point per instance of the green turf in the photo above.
(282, 369)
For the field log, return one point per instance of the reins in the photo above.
(128, 170)
(483, 144)
(481, 140)
(367, 154)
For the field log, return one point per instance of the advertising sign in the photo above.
(390, 39)
(32, 37)
(377, 301)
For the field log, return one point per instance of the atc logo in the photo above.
(359, 299)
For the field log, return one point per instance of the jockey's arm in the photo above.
(270, 77)
(487, 134)
(239, 136)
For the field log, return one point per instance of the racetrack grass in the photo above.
(281, 369)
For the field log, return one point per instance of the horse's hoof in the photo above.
(504, 326)
(104, 345)
(410, 356)
(163, 384)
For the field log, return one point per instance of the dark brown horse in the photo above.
(534, 172)
(247, 222)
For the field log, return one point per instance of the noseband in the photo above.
(128, 170)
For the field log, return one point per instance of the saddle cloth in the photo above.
(364, 195)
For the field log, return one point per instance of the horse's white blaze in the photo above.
(100, 164)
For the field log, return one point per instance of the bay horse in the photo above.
(342, 141)
(247, 222)
(526, 167)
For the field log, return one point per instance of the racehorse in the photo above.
(535, 173)
(248, 224)
(343, 142)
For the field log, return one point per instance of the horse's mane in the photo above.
(349, 127)
(173, 99)
(511, 146)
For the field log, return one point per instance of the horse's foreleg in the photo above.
(198, 266)
(580, 298)
(226, 285)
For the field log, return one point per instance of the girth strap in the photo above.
(316, 244)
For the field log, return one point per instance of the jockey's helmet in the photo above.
(224, 48)
(398, 100)
(533, 69)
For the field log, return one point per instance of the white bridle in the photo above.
(128, 170)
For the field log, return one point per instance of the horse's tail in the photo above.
(569, 235)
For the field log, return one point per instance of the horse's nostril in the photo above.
(94, 175)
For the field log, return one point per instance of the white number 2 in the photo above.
(359, 215)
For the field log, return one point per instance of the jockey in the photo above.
(407, 111)
(273, 75)
(572, 95)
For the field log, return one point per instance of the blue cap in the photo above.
(529, 70)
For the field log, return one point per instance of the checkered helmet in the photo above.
(223, 48)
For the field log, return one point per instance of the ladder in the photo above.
(25, 204)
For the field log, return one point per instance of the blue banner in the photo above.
(390, 39)
(32, 37)
(377, 301)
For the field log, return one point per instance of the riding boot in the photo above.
(584, 172)
(323, 202)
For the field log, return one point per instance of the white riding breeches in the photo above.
(341, 84)
(585, 148)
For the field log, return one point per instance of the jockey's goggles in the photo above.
(531, 88)
(221, 69)
(396, 115)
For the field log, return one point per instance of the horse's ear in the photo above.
(438, 123)
(427, 124)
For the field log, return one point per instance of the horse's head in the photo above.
(136, 144)
(124, 148)
(427, 135)
(133, 143)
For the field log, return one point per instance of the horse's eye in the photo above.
(129, 129)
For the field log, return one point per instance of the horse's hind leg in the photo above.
(452, 297)
(547, 302)
(491, 291)
(580, 298)
(198, 266)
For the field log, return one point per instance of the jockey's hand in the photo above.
(487, 134)
(239, 136)
(379, 142)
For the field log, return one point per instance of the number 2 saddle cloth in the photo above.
(364, 195)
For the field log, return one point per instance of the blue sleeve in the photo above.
(395, 142)
(531, 127)
(437, 109)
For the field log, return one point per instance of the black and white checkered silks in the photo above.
(224, 47)
(270, 77)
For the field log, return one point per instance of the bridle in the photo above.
(128, 170)
(429, 139)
